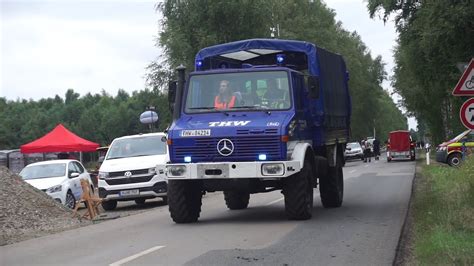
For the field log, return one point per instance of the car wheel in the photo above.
(109, 205)
(454, 159)
(70, 200)
(140, 201)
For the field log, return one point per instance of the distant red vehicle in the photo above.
(400, 146)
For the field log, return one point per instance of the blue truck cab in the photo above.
(257, 116)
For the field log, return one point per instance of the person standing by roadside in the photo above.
(367, 151)
(376, 144)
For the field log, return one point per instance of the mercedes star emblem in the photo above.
(225, 147)
(128, 174)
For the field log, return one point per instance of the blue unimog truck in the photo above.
(282, 124)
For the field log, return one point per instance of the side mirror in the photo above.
(73, 175)
(172, 85)
(313, 86)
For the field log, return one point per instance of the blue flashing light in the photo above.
(280, 58)
(187, 159)
(262, 157)
(198, 63)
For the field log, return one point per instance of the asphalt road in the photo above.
(364, 231)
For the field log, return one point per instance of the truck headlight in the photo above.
(273, 169)
(103, 175)
(54, 189)
(176, 170)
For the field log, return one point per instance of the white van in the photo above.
(128, 170)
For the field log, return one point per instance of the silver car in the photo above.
(353, 151)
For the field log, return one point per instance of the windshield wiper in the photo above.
(244, 107)
(202, 108)
(209, 108)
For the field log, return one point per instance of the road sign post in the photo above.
(467, 113)
(465, 85)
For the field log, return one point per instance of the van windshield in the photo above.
(260, 90)
(137, 146)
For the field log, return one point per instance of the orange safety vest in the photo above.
(224, 105)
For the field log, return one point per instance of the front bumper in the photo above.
(228, 170)
(59, 196)
(159, 189)
(354, 156)
(112, 188)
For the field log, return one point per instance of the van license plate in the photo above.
(129, 192)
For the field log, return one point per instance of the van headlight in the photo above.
(176, 170)
(54, 189)
(103, 175)
(152, 171)
(273, 169)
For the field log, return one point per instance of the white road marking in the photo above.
(275, 201)
(352, 171)
(130, 258)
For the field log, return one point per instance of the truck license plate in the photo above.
(129, 192)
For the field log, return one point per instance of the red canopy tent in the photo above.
(60, 139)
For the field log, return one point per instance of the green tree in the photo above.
(433, 36)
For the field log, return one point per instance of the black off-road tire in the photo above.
(109, 205)
(236, 200)
(184, 200)
(298, 192)
(331, 187)
(454, 159)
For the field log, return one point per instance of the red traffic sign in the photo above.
(465, 86)
(467, 113)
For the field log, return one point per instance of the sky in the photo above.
(50, 46)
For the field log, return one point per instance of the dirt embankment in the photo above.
(26, 212)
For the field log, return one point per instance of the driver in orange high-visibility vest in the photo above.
(225, 99)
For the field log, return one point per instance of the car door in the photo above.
(83, 174)
(75, 182)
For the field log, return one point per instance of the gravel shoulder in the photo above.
(27, 212)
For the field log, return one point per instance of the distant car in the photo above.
(60, 179)
(128, 171)
(451, 151)
(400, 146)
(353, 151)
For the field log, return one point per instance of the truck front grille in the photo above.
(245, 149)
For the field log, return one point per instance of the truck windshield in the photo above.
(137, 146)
(261, 90)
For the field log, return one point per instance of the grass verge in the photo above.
(443, 214)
